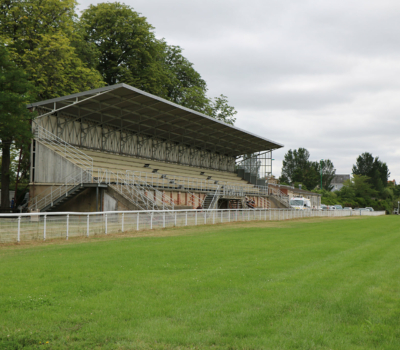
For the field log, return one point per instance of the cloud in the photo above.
(315, 74)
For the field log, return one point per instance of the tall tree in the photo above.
(128, 50)
(297, 168)
(14, 116)
(39, 35)
(328, 173)
(121, 44)
(375, 169)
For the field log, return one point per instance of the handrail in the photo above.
(66, 149)
(194, 183)
(128, 184)
(42, 200)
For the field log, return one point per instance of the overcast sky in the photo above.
(323, 75)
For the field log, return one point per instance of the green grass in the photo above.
(306, 284)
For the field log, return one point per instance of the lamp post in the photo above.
(320, 162)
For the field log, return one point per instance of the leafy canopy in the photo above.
(39, 35)
(121, 45)
(376, 170)
(297, 168)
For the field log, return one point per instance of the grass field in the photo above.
(304, 284)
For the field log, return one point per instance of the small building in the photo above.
(338, 181)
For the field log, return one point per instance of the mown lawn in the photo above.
(305, 284)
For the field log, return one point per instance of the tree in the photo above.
(359, 186)
(219, 109)
(328, 173)
(297, 168)
(293, 164)
(128, 51)
(121, 45)
(377, 171)
(39, 35)
(184, 81)
(56, 70)
(14, 116)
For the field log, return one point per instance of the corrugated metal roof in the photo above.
(125, 107)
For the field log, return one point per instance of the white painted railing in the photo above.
(42, 226)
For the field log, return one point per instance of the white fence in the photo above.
(42, 226)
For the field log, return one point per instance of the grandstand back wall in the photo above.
(101, 137)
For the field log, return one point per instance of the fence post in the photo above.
(151, 221)
(205, 217)
(195, 217)
(44, 227)
(175, 219)
(213, 214)
(19, 229)
(137, 222)
(222, 219)
(122, 228)
(270, 215)
(185, 218)
(106, 222)
(163, 219)
(87, 226)
(67, 226)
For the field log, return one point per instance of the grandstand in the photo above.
(119, 148)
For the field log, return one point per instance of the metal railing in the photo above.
(134, 185)
(44, 226)
(127, 183)
(53, 193)
(279, 195)
(197, 184)
(63, 148)
(214, 201)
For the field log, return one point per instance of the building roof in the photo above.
(125, 107)
(340, 178)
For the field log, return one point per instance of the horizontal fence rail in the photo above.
(42, 226)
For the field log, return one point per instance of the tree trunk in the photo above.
(5, 174)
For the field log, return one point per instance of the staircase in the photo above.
(53, 195)
(126, 184)
(61, 200)
(211, 199)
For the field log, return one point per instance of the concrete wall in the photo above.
(50, 167)
(83, 202)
